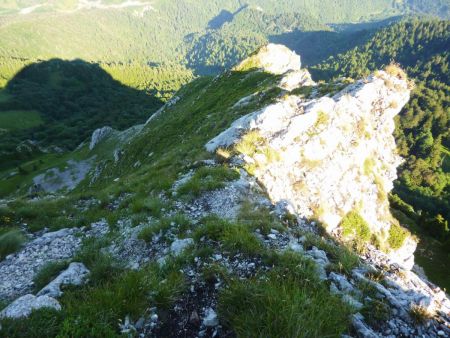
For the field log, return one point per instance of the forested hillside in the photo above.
(423, 126)
(154, 48)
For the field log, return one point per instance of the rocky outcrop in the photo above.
(98, 135)
(18, 270)
(75, 274)
(272, 58)
(325, 157)
(23, 306)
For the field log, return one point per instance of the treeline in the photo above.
(423, 126)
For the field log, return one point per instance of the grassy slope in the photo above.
(174, 141)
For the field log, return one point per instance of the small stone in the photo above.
(210, 319)
(272, 236)
(194, 318)
(441, 333)
(179, 245)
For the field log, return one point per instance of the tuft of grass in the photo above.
(394, 69)
(249, 143)
(177, 224)
(101, 265)
(283, 302)
(343, 260)
(368, 166)
(41, 323)
(397, 236)
(419, 314)
(48, 273)
(207, 179)
(10, 242)
(376, 311)
(223, 154)
(258, 218)
(150, 205)
(355, 227)
(234, 238)
(96, 312)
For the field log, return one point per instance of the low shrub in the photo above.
(397, 236)
(355, 227)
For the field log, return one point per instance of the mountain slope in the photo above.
(180, 241)
(423, 125)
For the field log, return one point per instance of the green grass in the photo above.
(343, 259)
(258, 218)
(19, 119)
(11, 240)
(288, 301)
(233, 238)
(177, 224)
(207, 179)
(47, 273)
(397, 236)
(355, 228)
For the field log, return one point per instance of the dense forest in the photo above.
(423, 126)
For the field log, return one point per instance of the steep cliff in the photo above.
(331, 158)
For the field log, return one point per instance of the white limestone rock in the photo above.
(211, 319)
(23, 306)
(179, 245)
(335, 154)
(295, 79)
(98, 135)
(273, 58)
(75, 274)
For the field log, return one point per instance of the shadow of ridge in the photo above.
(73, 99)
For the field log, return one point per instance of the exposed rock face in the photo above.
(75, 274)
(296, 78)
(325, 157)
(273, 58)
(23, 306)
(18, 270)
(98, 135)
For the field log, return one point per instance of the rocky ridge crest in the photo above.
(322, 158)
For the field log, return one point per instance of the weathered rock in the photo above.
(210, 319)
(179, 245)
(296, 78)
(273, 58)
(75, 274)
(98, 135)
(333, 154)
(23, 306)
